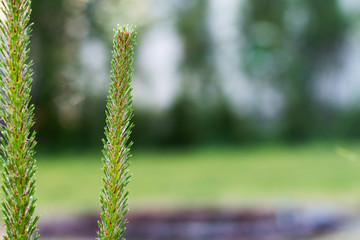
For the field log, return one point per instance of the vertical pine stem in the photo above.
(17, 139)
(116, 150)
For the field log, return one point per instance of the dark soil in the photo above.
(204, 224)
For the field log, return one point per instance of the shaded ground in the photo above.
(205, 224)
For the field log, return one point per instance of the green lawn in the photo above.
(206, 177)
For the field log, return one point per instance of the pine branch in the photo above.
(17, 139)
(114, 195)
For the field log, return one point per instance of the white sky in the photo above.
(350, 6)
(159, 55)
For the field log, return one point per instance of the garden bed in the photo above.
(204, 224)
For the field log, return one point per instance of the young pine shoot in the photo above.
(116, 150)
(17, 139)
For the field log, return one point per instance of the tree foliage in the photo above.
(287, 43)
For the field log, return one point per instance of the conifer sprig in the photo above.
(17, 139)
(113, 197)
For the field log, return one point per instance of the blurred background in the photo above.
(239, 104)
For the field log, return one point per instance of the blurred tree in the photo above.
(48, 32)
(202, 112)
(62, 106)
(287, 42)
(188, 111)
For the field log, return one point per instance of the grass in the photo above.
(206, 177)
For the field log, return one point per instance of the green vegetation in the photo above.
(17, 140)
(208, 177)
(116, 152)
